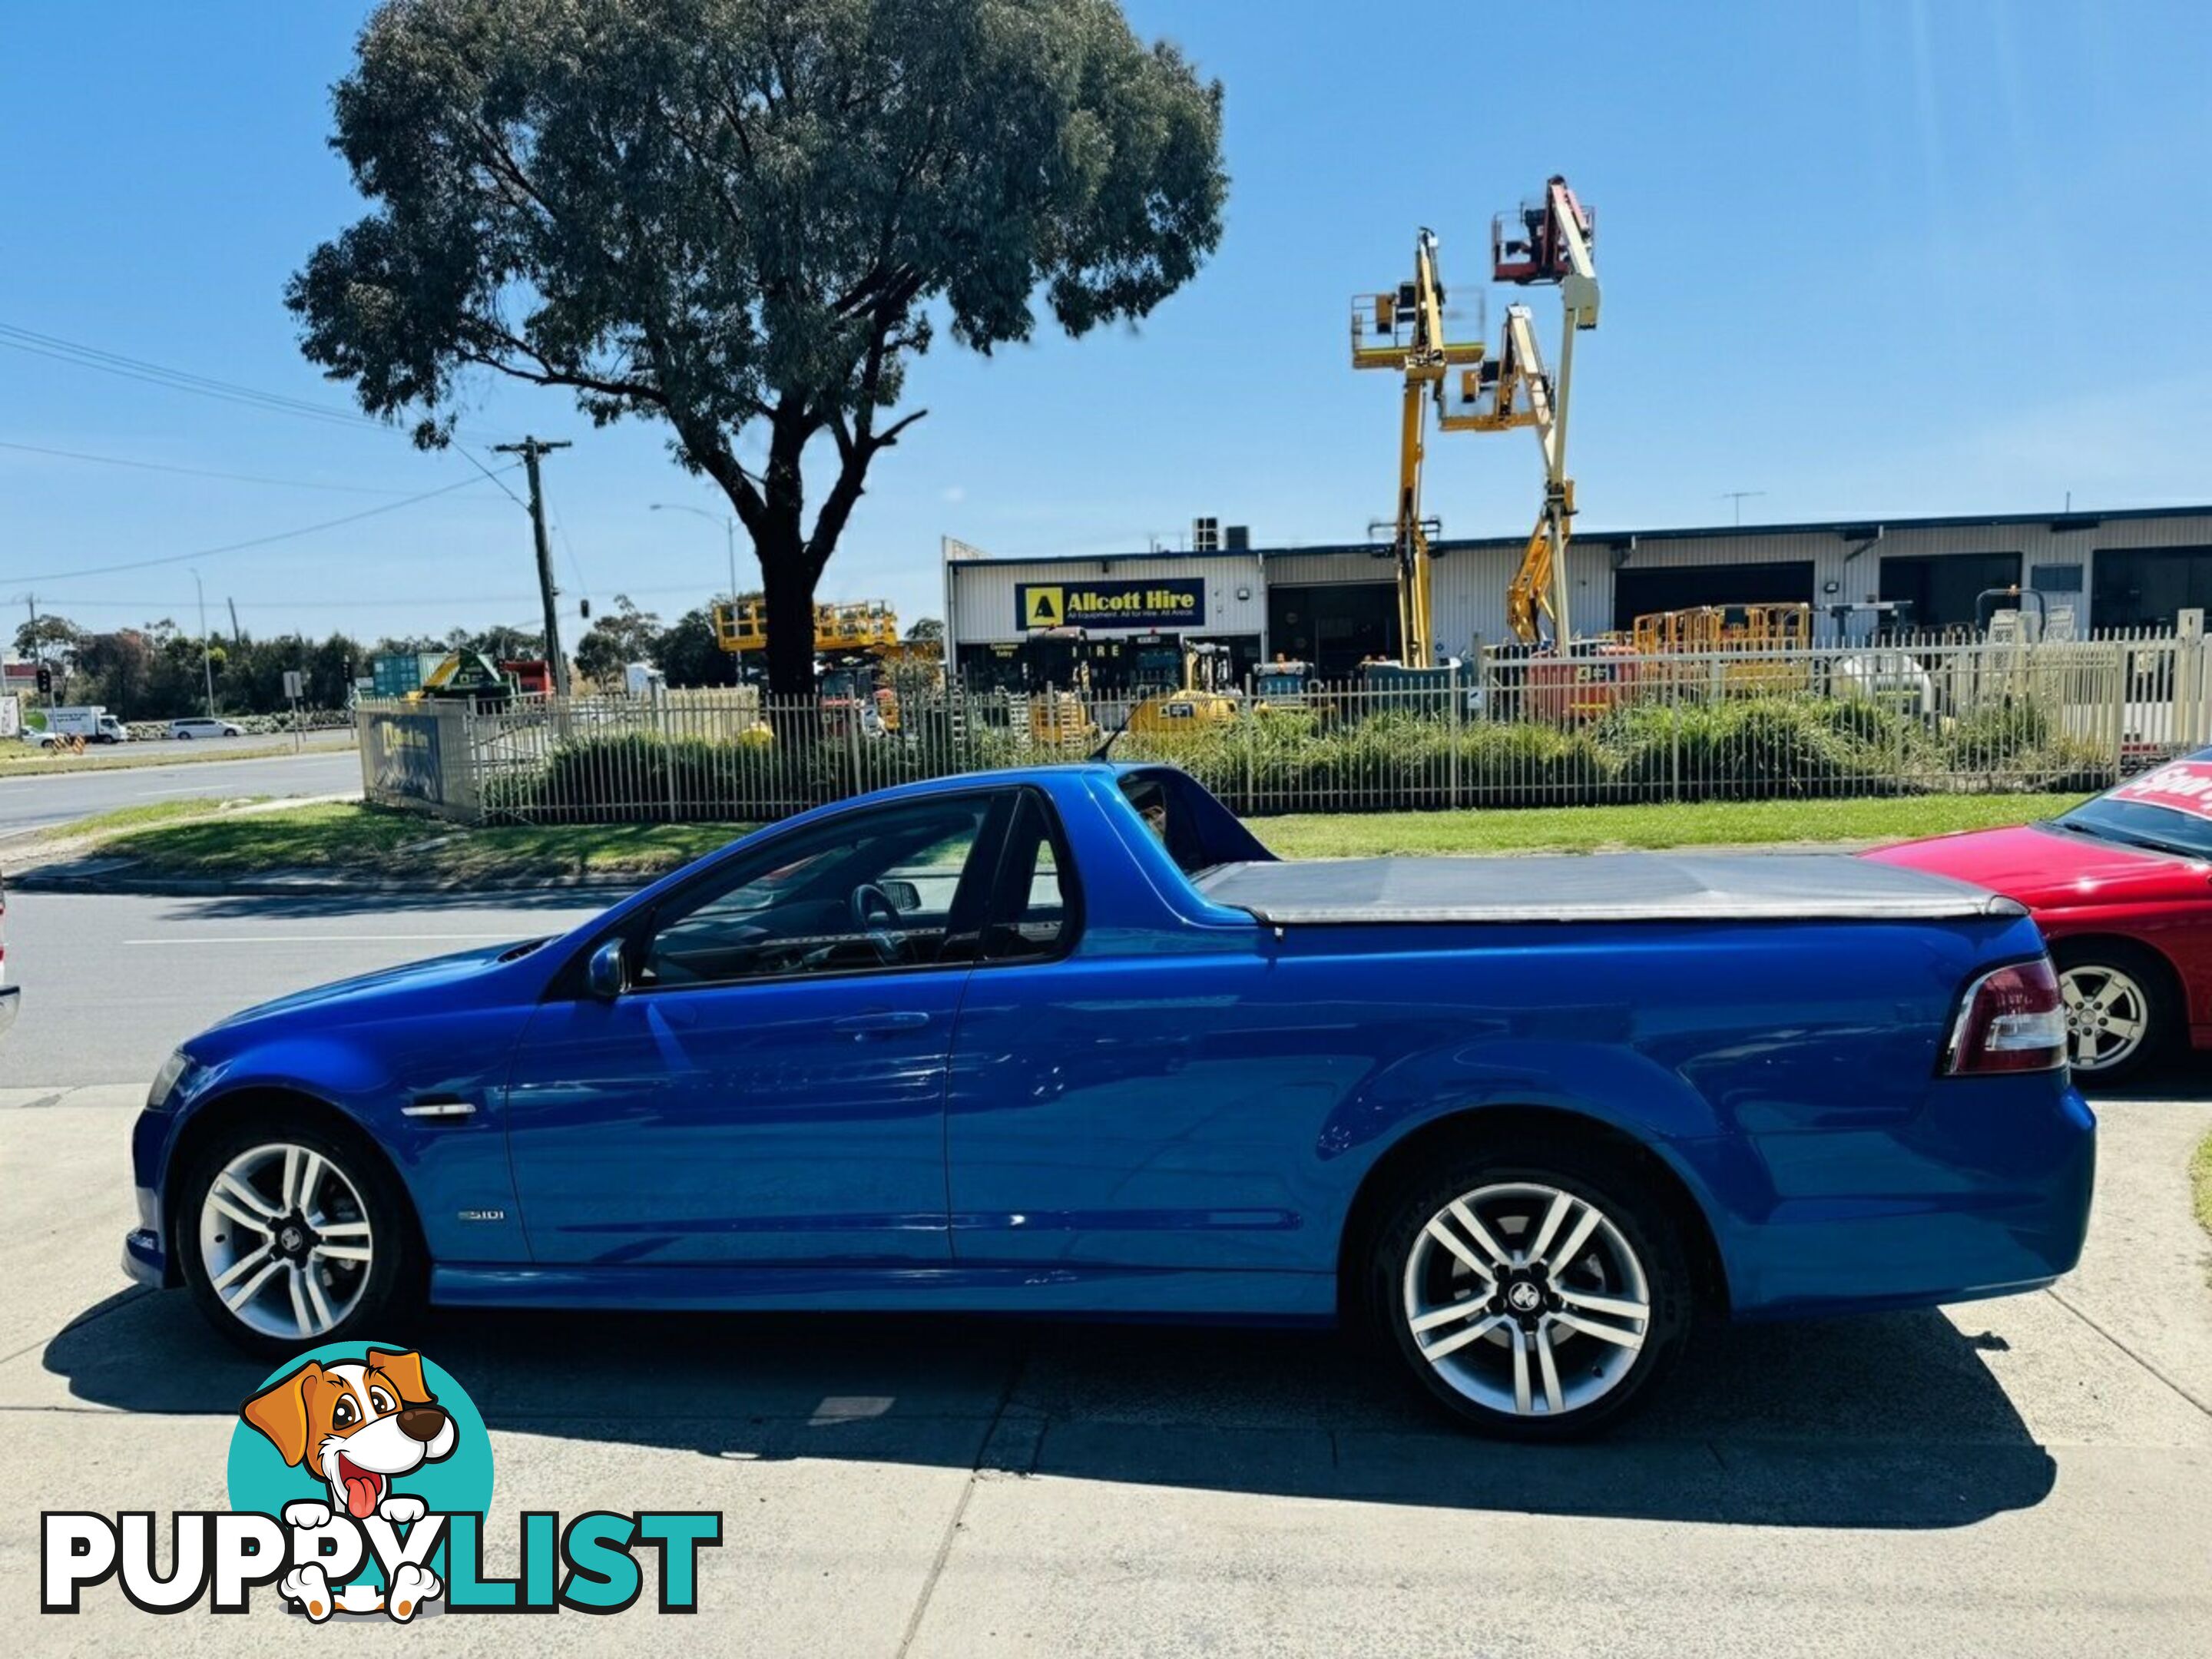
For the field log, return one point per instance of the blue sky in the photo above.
(1869, 258)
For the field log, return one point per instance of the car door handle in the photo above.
(882, 1020)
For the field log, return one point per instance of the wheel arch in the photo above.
(1538, 1127)
(283, 1107)
(2067, 941)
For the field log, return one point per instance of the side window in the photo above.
(1034, 909)
(877, 890)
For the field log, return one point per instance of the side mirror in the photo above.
(606, 974)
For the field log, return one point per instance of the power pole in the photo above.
(237, 633)
(530, 449)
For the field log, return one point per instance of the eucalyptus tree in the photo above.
(746, 218)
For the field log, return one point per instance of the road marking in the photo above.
(324, 939)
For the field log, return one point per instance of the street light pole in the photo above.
(729, 534)
(207, 662)
(729, 524)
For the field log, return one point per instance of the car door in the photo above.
(769, 1085)
(1121, 1099)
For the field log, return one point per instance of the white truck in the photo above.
(90, 721)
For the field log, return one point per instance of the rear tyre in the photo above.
(2122, 1012)
(1532, 1299)
(290, 1236)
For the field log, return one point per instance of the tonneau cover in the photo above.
(1603, 887)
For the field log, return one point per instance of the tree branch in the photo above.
(890, 435)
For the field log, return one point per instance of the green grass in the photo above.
(374, 842)
(180, 838)
(1597, 828)
(125, 820)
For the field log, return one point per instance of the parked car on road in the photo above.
(199, 726)
(2122, 887)
(1071, 1041)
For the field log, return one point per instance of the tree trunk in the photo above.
(787, 588)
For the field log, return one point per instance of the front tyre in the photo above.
(291, 1236)
(1535, 1300)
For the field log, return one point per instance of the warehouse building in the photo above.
(1123, 617)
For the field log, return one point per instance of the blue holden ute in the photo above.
(1070, 1040)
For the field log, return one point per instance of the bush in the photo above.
(1998, 734)
(623, 777)
(1775, 746)
(1757, 748)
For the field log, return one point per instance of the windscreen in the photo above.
(2167, 809)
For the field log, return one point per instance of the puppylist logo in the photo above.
(360, 1480)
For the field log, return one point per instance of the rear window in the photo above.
(1197, 831)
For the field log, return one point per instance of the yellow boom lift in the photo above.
(1404, 333)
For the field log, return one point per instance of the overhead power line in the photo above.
(241, 547)
(202, 471)
(494, 476)
(63, 601)
(117, 363)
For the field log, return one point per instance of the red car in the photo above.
(2122, 887)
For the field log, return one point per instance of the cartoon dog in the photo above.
(357, 1425)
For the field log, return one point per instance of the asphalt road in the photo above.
(2031, 1476)
(33, 803)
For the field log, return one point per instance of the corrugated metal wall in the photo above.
(1471, 579)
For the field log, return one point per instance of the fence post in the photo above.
(1453, 697)
(853, 751)
(2120, 690)
(668, 753)
(1673, 737)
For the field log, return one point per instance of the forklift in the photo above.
(1206, 698)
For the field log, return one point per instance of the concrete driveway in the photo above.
(2031, 1476)
(2027, 1477)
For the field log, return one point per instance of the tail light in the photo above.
(2011, 1019)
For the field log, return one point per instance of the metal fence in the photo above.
(1606, 726)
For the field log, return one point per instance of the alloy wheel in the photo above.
(1527, 1299)
(2107, 1016)
(285, 1241)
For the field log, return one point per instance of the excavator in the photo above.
(467, 677)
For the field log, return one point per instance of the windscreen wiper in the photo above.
(2145, 843)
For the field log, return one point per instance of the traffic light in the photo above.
(46, 680)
